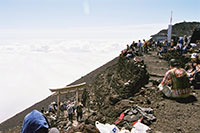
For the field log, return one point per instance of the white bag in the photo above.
(124, 131)
(139, 128)
(166, 90)
(106, 128)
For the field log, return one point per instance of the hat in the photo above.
(173, 63)
(53, 103)
(194, 55)
(54, 130)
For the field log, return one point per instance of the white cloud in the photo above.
(133, 32)
(30, 67)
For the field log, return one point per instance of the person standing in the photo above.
(79, 111)
(70, 112)
(140, 47)
(145, 45)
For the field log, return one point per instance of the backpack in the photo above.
(180, 82)
(79, 108)
(197, 80)
(70, 110)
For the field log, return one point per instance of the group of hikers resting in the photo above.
(177, 82)
(179, 45)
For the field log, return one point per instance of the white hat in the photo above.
(54, 130)
(194, 55)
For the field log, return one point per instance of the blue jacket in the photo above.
(33, 122)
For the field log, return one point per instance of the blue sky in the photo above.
(64, 14)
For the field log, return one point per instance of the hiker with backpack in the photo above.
(180, 86)
(70, 111)
(79, 111)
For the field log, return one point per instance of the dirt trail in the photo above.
(155, 66)
(172, 116)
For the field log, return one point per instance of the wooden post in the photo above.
(76, 95)
(58, 102)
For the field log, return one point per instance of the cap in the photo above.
(173, 62)
(54, 130)
(194, 55)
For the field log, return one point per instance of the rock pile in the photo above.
(108, 96)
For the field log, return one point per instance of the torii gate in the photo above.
(65, 90)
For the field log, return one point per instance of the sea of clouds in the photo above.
(30, 67)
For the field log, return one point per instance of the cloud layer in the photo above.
(30, 68)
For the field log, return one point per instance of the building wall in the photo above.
(159, 38)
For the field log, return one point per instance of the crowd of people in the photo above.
(40, 122)
(181, 80)
(179, 45)
(177, 82)
(67, 109)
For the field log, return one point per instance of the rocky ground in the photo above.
(171, 115)
(126, 84)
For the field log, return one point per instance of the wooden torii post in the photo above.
(67, 89)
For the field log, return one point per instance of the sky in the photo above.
(51, 43)
(81, 18)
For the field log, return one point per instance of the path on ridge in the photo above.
(155, 66)
(172, 116)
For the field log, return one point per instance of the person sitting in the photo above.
(195, 73)
(179, 80)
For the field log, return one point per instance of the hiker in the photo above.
(194, 71)
(179, 80)
(127, 47)
(42, 110)
(36, 122)
(130, 54)
(51, 110)
(132, 46)
(70, 111)
(79, 111)
(123, 53)
(195, 59)
(179, 47)
(62, 108)
(153, 45)
(145, 45)
(191, 66)
(159, 52)
(140, 47)
(185, 39)
(55, 106)
(165, 46)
